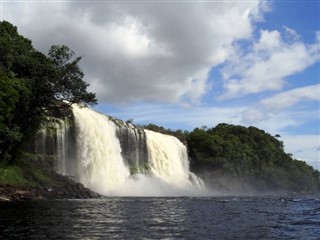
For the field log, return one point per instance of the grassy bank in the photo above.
(30, 170)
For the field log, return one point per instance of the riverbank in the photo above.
(69, 189)
(33, 177)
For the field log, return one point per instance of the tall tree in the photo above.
(69, 84)
(32, 84)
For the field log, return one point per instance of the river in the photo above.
(245, 217)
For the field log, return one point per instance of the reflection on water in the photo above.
(163, 218)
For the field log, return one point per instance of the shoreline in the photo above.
(70, 190)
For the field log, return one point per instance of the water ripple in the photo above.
(163, 218)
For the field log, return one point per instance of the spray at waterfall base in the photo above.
(115, 158)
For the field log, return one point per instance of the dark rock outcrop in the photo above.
(69, 189)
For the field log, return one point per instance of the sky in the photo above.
(185, 64)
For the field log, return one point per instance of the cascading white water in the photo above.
(53, 139)
(133, 144)
(168, 159)
(100, 165)
(160, 170)
(62, 134)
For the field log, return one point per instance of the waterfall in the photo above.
(62, 136)
(133, 145)
(168, 158)
(113, 157)
(53, 139)
(100, 164)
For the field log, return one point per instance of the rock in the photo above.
(69, 190)
(4, 199)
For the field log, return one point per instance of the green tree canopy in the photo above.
(32, 84)
(249, 153)
(69, 84)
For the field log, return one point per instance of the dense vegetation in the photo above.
(33, 85)
(252, 155)
(248, 156)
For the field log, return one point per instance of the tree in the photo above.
(14, 48)
(13, 106)
(69, 85)
(249, 153)
(32, 84)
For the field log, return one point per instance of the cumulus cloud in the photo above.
(146, 51)
(266, 66)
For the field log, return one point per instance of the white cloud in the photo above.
(180, 117)
(303, 147)
(291, 34)
(272, 123)
(130, 40)
(292, 97)
(268, 41)
(267, 65)
(146, 51)
(279, 111)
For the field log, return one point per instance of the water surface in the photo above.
(164, 218)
